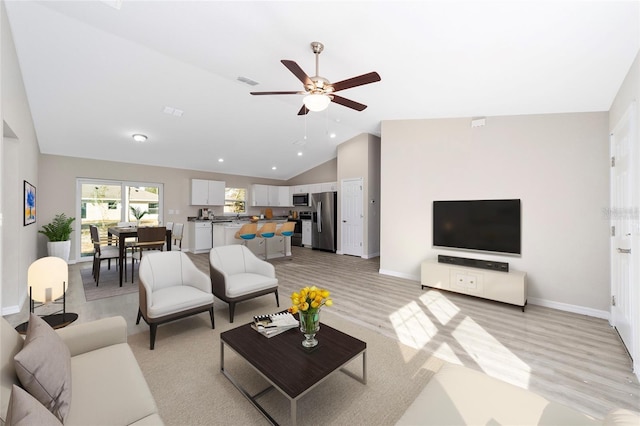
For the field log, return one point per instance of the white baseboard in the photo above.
(371, 255)
(532, 300)
(569, 308)
(399, 274)
(9, 310)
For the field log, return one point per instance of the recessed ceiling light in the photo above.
(274, 168)
(138, 137)
(332, 135)
(300, 154)
(220, 160)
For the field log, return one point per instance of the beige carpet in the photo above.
(183, 373)
(109, 282)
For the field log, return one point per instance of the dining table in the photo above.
(122, 233)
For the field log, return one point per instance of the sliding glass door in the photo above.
(107, 203)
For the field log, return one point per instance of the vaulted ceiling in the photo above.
(97, 72)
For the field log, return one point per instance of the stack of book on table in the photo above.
(273, 324)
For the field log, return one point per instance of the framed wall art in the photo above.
(29, 203)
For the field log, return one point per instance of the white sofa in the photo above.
(107, 385)
(458, 395)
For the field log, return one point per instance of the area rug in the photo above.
(184, 375)
(109, 283)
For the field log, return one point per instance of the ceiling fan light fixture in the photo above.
(316, 102)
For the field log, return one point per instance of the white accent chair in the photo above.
(171, 287)
(238, 275)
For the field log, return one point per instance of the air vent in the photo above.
(248, 81)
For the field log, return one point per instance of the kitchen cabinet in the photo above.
(300, 189)
(270, 196)
(283, 196)
(329, 186)
(200, 237)
(259, 195)
(306, 233)
(315, 188)
(207, 192)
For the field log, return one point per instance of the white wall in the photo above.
(19, 163)
(557, 164)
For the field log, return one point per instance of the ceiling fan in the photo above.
(318, 90)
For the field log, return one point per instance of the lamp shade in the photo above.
(47, 278)
(316, 101)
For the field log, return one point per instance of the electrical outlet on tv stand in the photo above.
(492, 284)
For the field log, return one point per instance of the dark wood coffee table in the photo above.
(287, 366)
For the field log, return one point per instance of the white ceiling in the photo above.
(95, 74)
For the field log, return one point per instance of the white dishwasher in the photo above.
(201, 238)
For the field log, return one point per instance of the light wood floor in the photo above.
(570, 358)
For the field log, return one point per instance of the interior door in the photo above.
(351, 230)
(624, 230)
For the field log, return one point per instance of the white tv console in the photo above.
(507, 287)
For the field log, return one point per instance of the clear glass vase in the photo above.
(309, 325)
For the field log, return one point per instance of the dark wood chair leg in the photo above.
(152, 335)
(213, 324)
(277, 299)
(232, 308)
(98, 273)
(139, 315)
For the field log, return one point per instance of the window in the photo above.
(235, 200)
(105, 203)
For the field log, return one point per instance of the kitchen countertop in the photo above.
(241, 220)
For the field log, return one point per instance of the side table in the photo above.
(55, 321)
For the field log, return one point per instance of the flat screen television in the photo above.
(480, 225)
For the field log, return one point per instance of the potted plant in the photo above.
(137, 213)
(58, 231)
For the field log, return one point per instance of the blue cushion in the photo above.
(268, 234)
(247, 236)
(287, 233)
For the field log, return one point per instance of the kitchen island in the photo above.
(277, 246)
(207, 233)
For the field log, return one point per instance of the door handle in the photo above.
(624, 251)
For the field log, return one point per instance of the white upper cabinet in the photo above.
(207, 192)
(259, 195)
(314, 188)
(329, 186)
(300, 189)
(284, 196)
(270, 195)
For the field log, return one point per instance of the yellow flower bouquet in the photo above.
(307, 303)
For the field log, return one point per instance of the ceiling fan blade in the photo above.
(297, 71)
(276, 93)
(348, 103)
(360, 80)
(303, 111)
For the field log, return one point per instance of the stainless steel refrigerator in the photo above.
(325, 205)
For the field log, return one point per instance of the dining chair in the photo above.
(103, 249)
(149, 238)
(170, 226)
(176, 236)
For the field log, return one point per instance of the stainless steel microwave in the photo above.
(301, 199)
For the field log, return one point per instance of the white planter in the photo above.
(59, 249)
